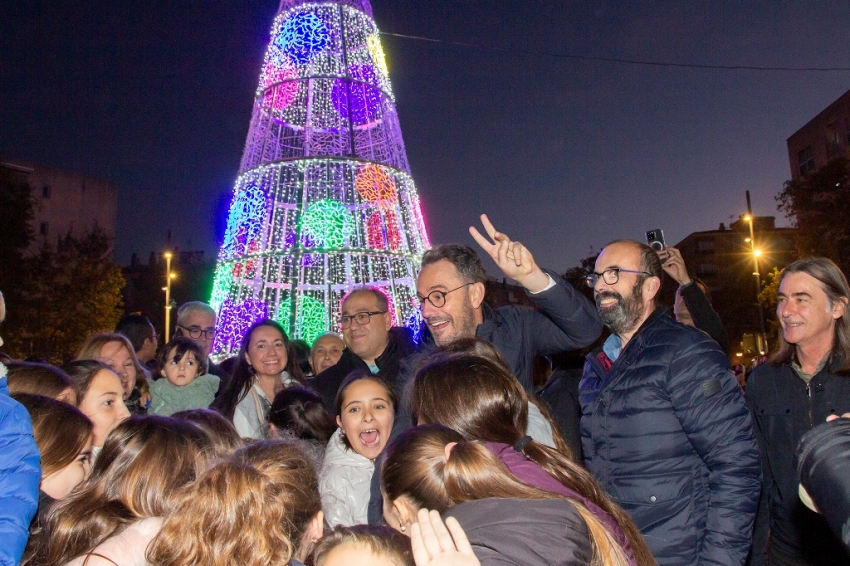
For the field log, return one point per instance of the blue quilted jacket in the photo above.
(20, 475)
(666, 433)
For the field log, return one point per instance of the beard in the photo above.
(626, 314)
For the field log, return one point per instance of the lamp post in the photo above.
(168, 277)
(756, 254)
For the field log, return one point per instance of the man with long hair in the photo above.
(806, 379)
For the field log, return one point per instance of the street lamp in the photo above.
(168, 277)
(756, 254)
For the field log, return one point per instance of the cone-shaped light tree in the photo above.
(324, 201)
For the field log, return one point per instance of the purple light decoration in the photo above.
(302, 36)
(365, 100)
(277, 81)
(234, 320)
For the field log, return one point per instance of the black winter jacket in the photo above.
(524, 532)
(784, 409)
(327, 383)
(667, 435)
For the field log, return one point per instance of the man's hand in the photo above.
(674, 265)
(513, 258)
(435, 545)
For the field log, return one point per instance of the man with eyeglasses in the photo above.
(664, 426)
(451, 294)
(372, 343)
(196, 320)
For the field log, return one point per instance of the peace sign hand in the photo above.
(513, 258)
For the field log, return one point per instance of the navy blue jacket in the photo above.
(666, 433)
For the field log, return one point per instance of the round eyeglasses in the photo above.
(438, 298)
(610, 276)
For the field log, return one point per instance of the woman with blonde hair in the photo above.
(506, 520)
(492, 407)
(113, 515)
(116, 351)
(260, 507)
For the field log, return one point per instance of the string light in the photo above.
(324, 201)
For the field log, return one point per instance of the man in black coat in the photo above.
(372, 343)
(806, 380)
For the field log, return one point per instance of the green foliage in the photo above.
(767, 298)
(819, 206)
(69, 292)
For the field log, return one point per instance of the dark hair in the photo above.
(38, 379)
(222, 433)
(82, 373)
(482, 400)
(464, 258)
(137, 328)
(243, 374)
(301, 349)
(358, 375)
(61, 431)
(144, 463)
(301, 411)
(181, 346)
(383, 302)
(418, 467)
(380, 539)
(834, 284)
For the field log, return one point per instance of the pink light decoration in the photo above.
(277, 81)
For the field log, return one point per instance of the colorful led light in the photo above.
(327, 222)
(324, 201)
(302, 36)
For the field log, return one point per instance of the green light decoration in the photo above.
(221, 286)
(310, 320)
(328, 223)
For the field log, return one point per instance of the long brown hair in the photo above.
(38, 379)
(491, 406)
(61, 431)
(417, 467)
(251, 509)
(834, 284)
(380, 539)
(137, 475)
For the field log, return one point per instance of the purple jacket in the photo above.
(529, 472)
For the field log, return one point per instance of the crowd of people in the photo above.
(372, 446)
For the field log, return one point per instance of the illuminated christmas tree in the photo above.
(324, 201)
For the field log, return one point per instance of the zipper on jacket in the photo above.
(809, 390)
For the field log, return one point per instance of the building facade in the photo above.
(824, 137)
(66, 202)
(723, 259)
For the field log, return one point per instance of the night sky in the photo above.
(563, 154)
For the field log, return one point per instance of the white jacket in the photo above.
(344, 483)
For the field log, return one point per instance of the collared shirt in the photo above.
(807, 377)
(613, 347)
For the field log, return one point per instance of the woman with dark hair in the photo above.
(258, 507)
(492, 407)
(365, 406)
(41, 379)
(507, 521)
(99, 397)
(264, 366)
(299, 412)
(113, 515)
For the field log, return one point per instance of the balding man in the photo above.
(372, 343)
(664, 426)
